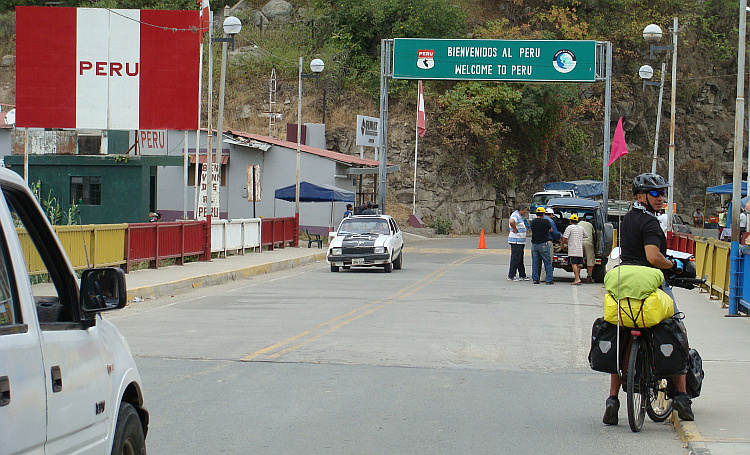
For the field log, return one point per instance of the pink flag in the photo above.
(420, 112)
(619, 148)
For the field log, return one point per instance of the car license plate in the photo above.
(358, 261)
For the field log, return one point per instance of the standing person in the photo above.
(643, 242)
(348, 211)
(540, 232)
(722, 220)
(517, 241)
(554, 236)
(698, 217)
(573, 237)
(743, 221)
(588, 246)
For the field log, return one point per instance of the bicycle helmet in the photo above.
(649, 181)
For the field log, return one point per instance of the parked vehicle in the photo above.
(68, 382)
(541, 198)
(592, 211)
(366, 241)
(580, 188)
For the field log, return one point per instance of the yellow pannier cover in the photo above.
(634, 281)
(648, 312)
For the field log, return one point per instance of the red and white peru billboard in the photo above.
(94, 68)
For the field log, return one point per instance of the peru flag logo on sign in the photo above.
(93, 68)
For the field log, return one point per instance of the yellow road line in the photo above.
(370, 308)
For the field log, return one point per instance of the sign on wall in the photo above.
(152, 142)
(498, 60)
(203, 193)
(368, 131)
(253, 183)
(94, 68)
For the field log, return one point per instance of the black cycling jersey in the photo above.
(638, 229)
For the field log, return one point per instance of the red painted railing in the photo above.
(278, 232)
(681, 241)
(155, 241)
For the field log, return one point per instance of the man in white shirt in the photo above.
(517, 241)
(743, 221)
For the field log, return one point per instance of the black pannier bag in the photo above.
(694, 376)
(670, 348)
(603, 353)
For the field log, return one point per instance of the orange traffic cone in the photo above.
(481, 241)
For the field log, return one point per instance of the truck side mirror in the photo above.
(103, 289)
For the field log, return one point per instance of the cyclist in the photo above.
(643, 242)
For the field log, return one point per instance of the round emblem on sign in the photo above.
(564, 61)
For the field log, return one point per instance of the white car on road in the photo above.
(366, 241)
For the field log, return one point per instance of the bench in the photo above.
(313, 238)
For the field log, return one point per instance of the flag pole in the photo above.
(198, 133)
(414, 194)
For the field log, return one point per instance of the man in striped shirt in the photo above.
(573, 237)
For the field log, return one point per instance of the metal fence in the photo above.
(124, 245)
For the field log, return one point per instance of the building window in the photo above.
(89, 145)
(191, 175)
(86, 190)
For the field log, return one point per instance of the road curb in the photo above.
(186, 284)
(690, 435)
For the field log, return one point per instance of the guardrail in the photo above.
(235, 235)
(681, 241)
(712, 262)
(165, 240)
(93, 245)
(279, 232)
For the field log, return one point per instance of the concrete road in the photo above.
(444, 356)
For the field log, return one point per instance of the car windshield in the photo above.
(542, 199)
(363, 226)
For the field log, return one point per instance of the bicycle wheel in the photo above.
(637, 390)
(659, 404)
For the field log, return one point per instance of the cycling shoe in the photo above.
(682, 404)
(611, 410)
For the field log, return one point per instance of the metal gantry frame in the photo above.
(603, 72)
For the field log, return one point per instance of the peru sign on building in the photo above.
(94, 68)
(494, 60)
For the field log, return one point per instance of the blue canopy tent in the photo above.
(726, 188)
(311, 192)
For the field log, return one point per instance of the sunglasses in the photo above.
(657, 193)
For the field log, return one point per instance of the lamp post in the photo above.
(652, 34)
(232, 26)
(646, 72)
(317, 67)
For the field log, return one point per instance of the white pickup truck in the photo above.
(68, 382)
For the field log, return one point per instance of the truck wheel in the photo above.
(599, 272)
(129, 439)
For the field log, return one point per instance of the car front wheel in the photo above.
(388, 268)
(129, 438)
(397, 263)
(334, 268)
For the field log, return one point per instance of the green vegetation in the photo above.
(491, 131)
(441, 226)
(53, 209)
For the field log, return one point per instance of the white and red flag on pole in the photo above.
(619, 148)
(93, 68)
(420, 112)
(205, 16)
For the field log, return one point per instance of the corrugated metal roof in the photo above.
(341, 157)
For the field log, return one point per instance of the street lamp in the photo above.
(652, 34)
(232, 26)
(317, 67)
(646, 72)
